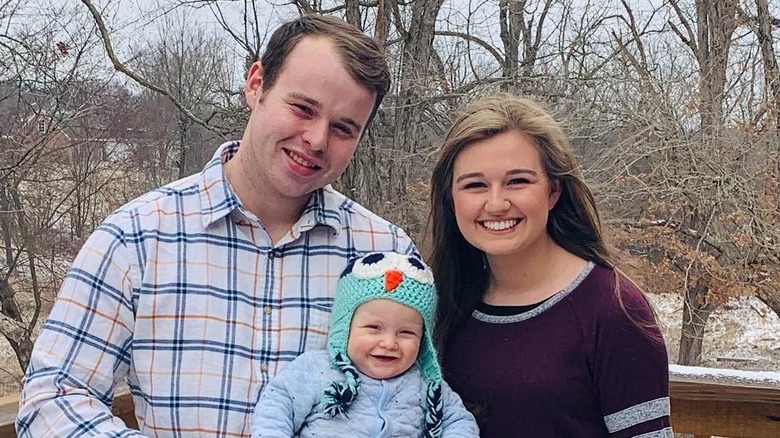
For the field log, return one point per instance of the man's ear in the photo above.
(555, 193)
(253, 87)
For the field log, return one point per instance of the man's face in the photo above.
(303, 131)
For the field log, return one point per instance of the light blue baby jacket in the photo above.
(289, 405)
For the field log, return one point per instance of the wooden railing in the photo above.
(123, 408)
(726, 403)
(705, 402)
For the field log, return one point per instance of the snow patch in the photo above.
(764, 378)
(743, 334)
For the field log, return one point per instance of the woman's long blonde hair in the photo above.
(460, 269)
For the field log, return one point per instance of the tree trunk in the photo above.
(515, 28)
(13, 327)
(352, 8)
(510, 19)
(184, 125)
(416, 69)
(769, 59)
(382, 26)
(696, 311)
(716, 22)
(362, 181)
(771, 298)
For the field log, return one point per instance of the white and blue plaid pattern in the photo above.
(182, 294)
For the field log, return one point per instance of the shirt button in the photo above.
(264, 367)
(271, 255)
(267, 310)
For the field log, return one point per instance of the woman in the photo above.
(541, 335)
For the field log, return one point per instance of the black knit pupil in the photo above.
(416, 263)
(373, 259)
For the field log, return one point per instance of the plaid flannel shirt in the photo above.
(182, 294)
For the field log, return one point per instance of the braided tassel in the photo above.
(434, 412)
(339, 395)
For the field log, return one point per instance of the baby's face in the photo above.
(384, 338)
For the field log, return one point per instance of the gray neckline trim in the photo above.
(537, 310)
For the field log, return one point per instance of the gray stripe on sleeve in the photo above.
(663, 433)
(649, 410)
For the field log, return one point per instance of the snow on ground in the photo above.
(744, 334)
(765, 378)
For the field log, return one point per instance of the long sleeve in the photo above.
(83, 348)
(457, 422)
(631, 370)
(287, 399)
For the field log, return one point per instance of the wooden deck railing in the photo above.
(726, 403)
(705, 402)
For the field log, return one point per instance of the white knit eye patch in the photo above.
(375, 265)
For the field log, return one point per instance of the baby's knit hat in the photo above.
(401, 278)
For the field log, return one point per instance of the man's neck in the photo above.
(277, 213)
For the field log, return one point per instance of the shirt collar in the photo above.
(324, 207)
(218, 198)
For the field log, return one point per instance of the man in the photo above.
(196, 293)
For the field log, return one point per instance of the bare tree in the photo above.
(694, 199)
(190, 63)
(122, 67)
(414, 87)
(514, 30)
(55, 177)
(763, 30)
(710, 43)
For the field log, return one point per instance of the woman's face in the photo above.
(502, 195)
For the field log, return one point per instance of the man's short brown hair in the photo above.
(361, 55)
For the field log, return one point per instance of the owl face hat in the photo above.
(391, 276)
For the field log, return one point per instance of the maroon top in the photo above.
(574, 366)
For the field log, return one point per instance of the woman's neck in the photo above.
(527, 278)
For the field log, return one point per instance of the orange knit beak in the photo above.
(393, 278)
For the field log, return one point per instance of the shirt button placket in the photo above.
(271, 294)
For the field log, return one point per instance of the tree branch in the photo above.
(120, 67)
(475, 40)
(690, 40)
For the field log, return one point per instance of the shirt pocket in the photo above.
(305, 329)
(317, 332)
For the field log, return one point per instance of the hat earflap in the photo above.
(431, 372)
(339, 395)
(434, 411)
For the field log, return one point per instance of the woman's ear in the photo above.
(555, 193)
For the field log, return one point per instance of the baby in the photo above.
(380, 376)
